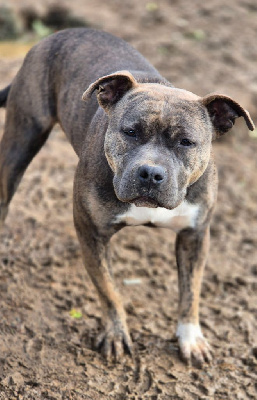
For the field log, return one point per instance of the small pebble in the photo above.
(136, 281)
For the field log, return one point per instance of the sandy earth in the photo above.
(47, 353)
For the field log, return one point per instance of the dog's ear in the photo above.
(111, 88)
(223, 111)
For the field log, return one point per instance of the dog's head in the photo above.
(158, 140)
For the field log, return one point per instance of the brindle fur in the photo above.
(48, 89)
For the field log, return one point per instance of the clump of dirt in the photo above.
(9, 25)
(49, 308)
(28, 23)
(56, 17)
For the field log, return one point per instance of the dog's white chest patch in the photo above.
(183, 216)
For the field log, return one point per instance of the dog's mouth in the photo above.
(145, 201)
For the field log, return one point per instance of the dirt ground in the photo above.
(49, 309)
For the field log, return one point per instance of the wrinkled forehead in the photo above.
(150, 102)
(161, 91)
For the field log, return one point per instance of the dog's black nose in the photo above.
(149, 174)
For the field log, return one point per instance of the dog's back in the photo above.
(56, 71)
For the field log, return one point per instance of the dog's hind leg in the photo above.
(28, 124)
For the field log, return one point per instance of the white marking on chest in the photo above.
(183, 216)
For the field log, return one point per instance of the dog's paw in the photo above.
(193, 346)
(114, 342)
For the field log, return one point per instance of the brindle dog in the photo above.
(145, 157)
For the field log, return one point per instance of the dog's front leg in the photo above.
(191, 251)
(115, 340)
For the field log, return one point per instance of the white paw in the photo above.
(192, 344)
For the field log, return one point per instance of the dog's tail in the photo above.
(4, 95)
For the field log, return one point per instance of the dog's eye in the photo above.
(186, 142)
(130, 132)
